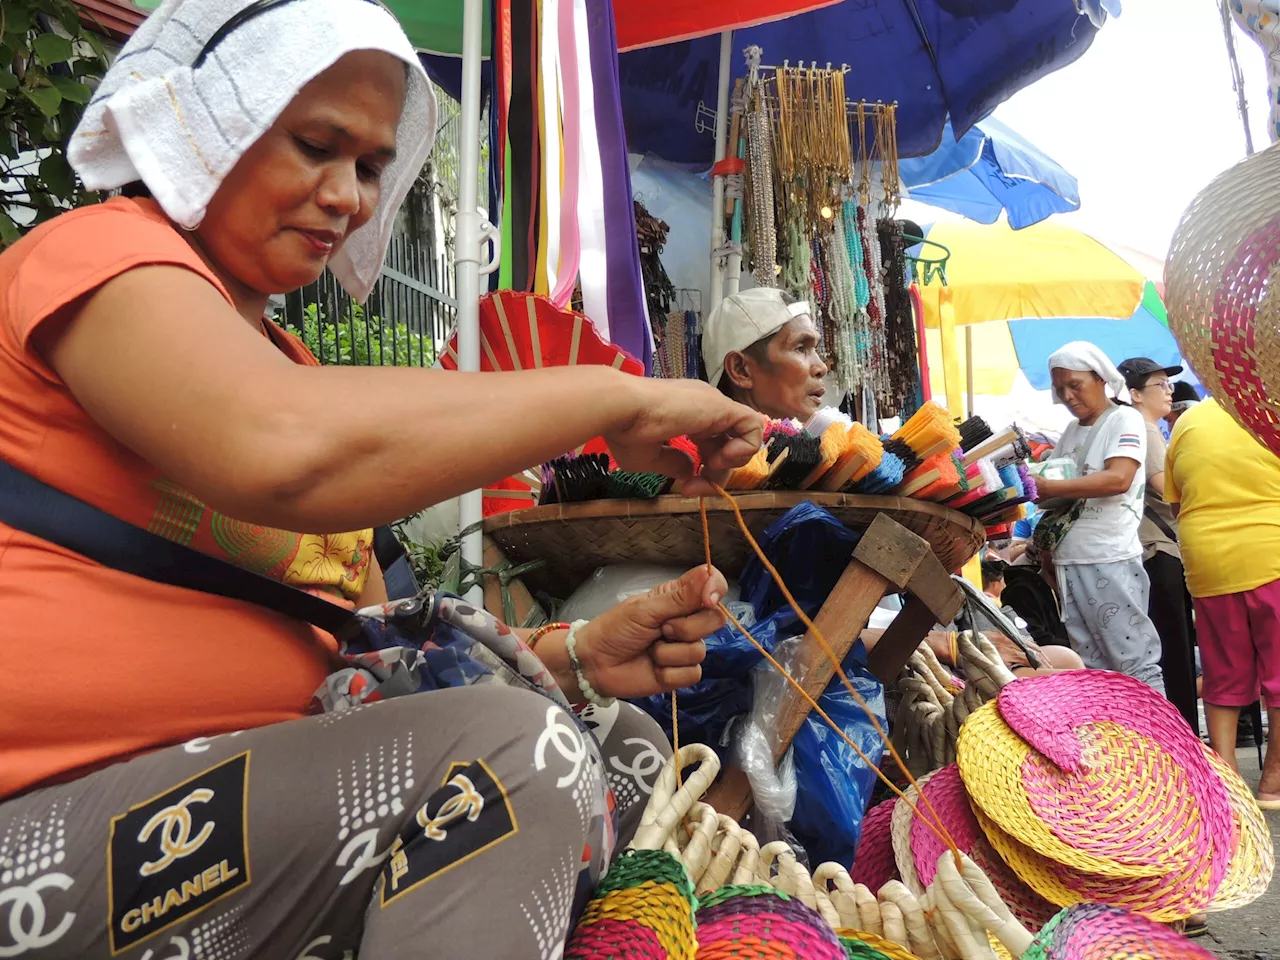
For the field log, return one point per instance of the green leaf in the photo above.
(50, 49)
(72, 90)
(46, 99)
(58, 176)
(8, 229)
(8, 80)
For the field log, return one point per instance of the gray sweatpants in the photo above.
(1104, 607)
(461, 823)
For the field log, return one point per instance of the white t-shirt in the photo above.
(1107, 529)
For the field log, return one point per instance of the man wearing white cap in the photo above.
(761, 349)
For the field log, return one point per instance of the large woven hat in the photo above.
(1102, 802)
(873, 864)
(1224, 306)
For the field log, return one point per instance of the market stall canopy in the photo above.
(934, 57)
(1044, 271)
(991, 170)
(435, 26)
(1004, 348)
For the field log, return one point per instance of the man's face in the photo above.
(788, 384)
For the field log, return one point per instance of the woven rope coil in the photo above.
(1224, 307)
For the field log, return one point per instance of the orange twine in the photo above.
(936, 825)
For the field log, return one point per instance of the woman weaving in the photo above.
(158, 768)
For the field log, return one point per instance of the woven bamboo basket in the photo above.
(577, 538)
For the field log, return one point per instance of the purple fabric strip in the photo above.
(628, 325)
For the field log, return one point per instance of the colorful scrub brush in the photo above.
(574, 479)
(1003, 448)
(830, 448)
(685, 445)
(938, 472)
(974, 431)
(902, 450)
(884, 478)
(803, 454)
(787, 428)
(621, 485)
(862, 454)
(752, 475)
(929, 432)
(984, 480)
(1028, 482)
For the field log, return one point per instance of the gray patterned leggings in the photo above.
(469, 822)
(1104, 608)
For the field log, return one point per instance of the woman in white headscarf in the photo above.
(1102, 584)
(158, 767)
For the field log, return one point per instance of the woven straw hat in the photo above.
(1224, 306)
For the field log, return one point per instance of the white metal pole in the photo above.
(469, 255)
(717, 188)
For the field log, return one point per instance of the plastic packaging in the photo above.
(1055, 468)
(609, 586)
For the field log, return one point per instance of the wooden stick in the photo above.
(510, 494)
(942, 446)
(773, 467)
(912, 487)
(989, 447)
(834, 481)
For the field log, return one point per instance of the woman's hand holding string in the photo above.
(648, 644)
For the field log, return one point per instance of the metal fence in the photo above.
(406, 321)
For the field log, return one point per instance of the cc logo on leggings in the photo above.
(174, 823)
(27, 915)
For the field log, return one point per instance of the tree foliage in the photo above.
(49, 65)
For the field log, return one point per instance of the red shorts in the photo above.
(1239, 639)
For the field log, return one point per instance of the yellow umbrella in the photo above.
(995, 274)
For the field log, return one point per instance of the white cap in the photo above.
(740, 320)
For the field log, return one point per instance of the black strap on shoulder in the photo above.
(1154, 517)
(34, 507)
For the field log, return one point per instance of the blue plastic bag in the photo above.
(833, 784)
(811, 550)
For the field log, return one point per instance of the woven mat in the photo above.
(577, 538)
(1174, 896)
(946, 792)
(873, 864)
(992, 761)
(1253, 858)
(860, 944)
(1091, 931)
(1102, 802)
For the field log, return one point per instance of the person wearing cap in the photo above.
(1184, 398)
(760, 347)
(1098, 560)
(1169, 604)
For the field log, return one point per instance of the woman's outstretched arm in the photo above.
(165, 366)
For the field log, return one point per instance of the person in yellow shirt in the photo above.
(1225, 490)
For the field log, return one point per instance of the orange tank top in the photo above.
(100, 665)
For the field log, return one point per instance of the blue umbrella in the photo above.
(989, 170)
(934, 57)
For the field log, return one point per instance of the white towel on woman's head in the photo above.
(1087, 358)
(181, 129)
